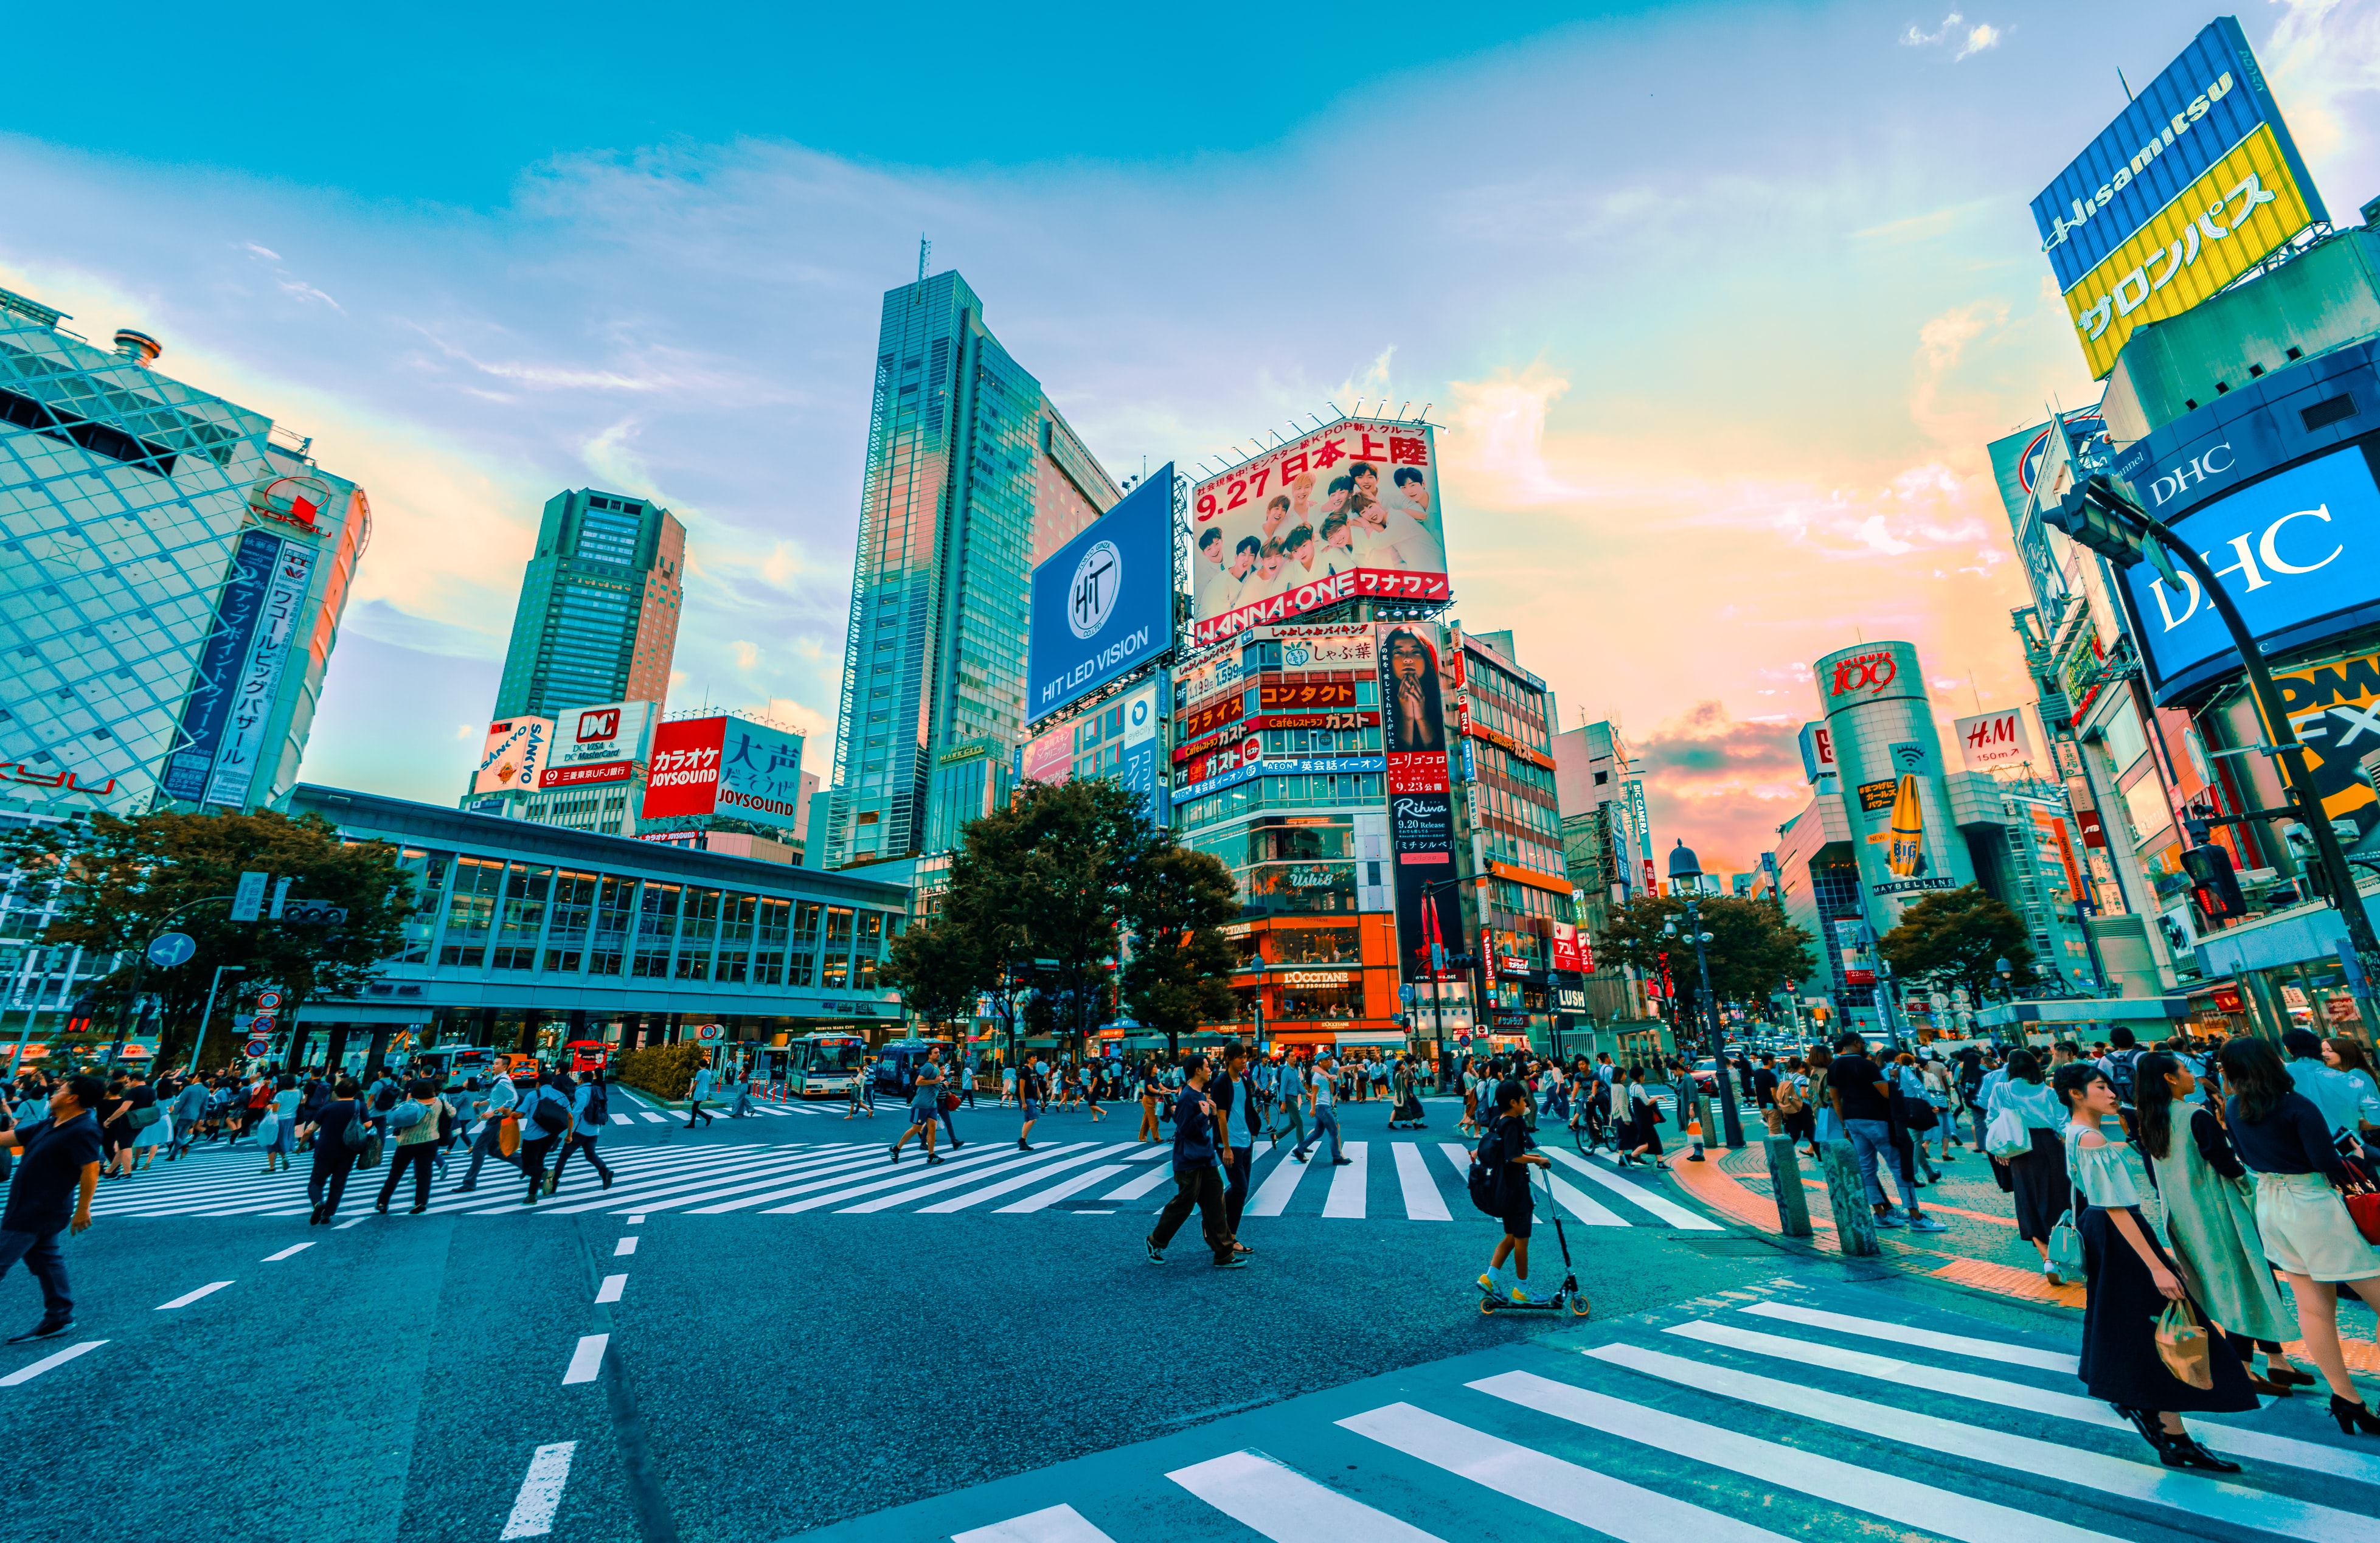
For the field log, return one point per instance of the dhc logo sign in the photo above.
(2290, 552)
(2189, 474)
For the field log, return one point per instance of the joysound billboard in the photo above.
(1349, 511)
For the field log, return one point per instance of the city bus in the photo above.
(821, 1065)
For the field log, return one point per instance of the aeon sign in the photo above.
(2293, 551)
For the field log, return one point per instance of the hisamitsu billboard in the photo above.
(1104, 604)
(2192, 186)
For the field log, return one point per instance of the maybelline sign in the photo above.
(2298, 553)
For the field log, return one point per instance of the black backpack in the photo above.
(599, 1105)
(1485, 1180)
(2120, 1067)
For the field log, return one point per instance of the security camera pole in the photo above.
(2103, 518)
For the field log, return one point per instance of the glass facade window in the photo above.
(525, 892)
(427, 870)
(657, 906)
(1339, 1003)
(470, 913)
(867, 950)
(615, 912)
(698, 934)
(570, 919)
(774, 921)
(1315, 945)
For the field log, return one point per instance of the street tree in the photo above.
(1956, 938)
(1754, 949)
(122, 882)
(1179, 973)
(938, 970)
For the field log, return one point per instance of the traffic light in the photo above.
(2213, 883)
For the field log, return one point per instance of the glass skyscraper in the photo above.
(599, 607)
(172, 571)
(971, 475)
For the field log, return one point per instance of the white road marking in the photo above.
(1346, 1197)
(352, 1222)
(292, 1249)
(540, 1491)
(656, 1119)
(1283, 1504)
(1162, 1173)
(26, 1374)
(1635, 1195)
(627, 1244)
(617, 1120)
(1058, 1192)
(1060, 1523)
(1927, 1339)
(631, 1242)
(1943, 1512)
(1423, 1202)
(1005, 1187)
(189, 1297)
(1008, 1163)
(586, 1360)
(1272, 1196)
(2254, 1510)
(612, 1288)
(1609, 1506)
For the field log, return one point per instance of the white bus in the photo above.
(821, 1065)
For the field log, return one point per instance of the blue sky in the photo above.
(1718, 303)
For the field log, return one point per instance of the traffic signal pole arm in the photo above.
(2291, 753)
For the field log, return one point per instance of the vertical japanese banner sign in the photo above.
(1139, 770)
(278, 614)
(1421, 809)
(209, 707)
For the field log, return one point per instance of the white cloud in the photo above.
(1954, 34)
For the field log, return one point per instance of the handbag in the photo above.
(949, 1101)
(507, 1136)
(2181, 1345)
(2065, 1245)
(369, 1158)
(2005, 1136)
(2362, 1203)
(268, 1130)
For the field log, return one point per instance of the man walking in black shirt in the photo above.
(1234, 1098)
(1197, 1181)
(1856, 1086)
(59, 1170)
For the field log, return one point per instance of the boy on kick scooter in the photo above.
(1503, 1160)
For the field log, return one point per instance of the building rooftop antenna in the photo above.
(925, 255)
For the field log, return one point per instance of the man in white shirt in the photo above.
(1322, 1097)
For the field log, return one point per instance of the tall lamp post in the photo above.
(1685, 870)
(2103, 518)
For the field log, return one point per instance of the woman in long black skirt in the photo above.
(2131, 1280)
(2036, 1178)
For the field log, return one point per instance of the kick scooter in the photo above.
(1566, 1296)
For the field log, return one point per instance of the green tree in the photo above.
(1178, 975)
(122, 880)
(1754, 949)
(938, 970)
(1956, 938)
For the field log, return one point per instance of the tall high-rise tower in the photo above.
(972, 475)
(599, 606)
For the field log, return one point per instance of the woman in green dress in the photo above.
(2210, 1217)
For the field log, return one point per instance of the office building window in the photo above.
(656, 907)
(614, 910)
(569, 919)
(526, 895)
(470, 913)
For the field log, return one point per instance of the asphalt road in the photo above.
(759, 1375)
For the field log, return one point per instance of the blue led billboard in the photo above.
(2298, 553)
(1104, 604)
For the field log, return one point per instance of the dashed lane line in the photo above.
(292, 1249)
(23, 1375)
(187, 1298)
(627, 1244)
(540, 1491)
(586, 1361)
(612, 1288)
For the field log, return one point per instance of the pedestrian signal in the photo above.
(2213, 883)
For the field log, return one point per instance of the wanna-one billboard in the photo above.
(2192, 186)
(1348, 512)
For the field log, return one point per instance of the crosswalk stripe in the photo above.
(829, 1176)
(1945, 1511)
(2236, 1503)
(1157, 1176)
(678, 1179)
(1902, 1333)
(656, 1119)
(918, 1183)
(1346, 1197)
(1668, 1210)
(1423, 1202)
(993, 1191)
(1580, 1205)
(1060, 1523)
(1286, 1506)
(1611, 1506)
(2256, 1445)
(622, 1120)
(1058, 1192)
(710, 1194)
(1272, 1196)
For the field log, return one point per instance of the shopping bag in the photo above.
(2005, 1136)
(2066, 1247)
(268, 1130)
(2363, 1202)
(507, 1138)
(2182, 1345)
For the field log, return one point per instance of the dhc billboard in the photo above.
(1104, 604)
(2298, 552)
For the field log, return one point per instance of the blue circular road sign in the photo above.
(168, 949)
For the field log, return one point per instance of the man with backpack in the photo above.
(1499, 1181)
(2120, 1062)
(1198, 1176)
(498, 1108)
(545, 1115)
(414, 1124)
(591, 1112)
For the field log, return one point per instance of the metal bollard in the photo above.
(1847, 1196)
(1785, 1178)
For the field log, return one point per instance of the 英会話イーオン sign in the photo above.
(2192, 184)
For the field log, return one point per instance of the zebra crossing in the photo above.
(1411, 1181)
(1784, 1411)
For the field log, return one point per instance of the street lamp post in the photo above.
(204, 1018)
(1685, 868)
(2101, 517)
(123, 1017)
